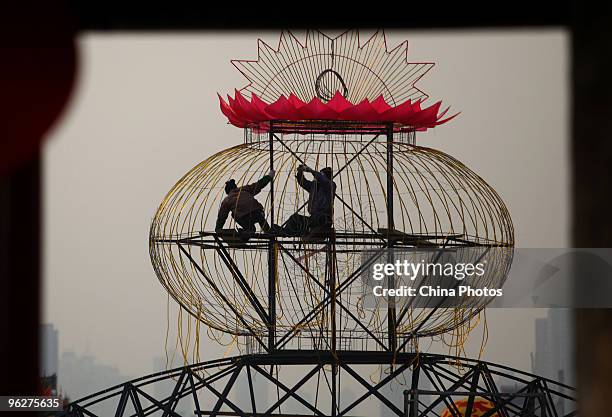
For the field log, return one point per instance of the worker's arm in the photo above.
(304, 183)
(222, 216)
(256, 187)
(321, 178)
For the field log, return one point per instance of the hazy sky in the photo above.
(145, 111)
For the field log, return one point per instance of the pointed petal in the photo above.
(425, 117)
(380, 105)
(295, 101)
(315, 109)
(399, 113)
(282, 109)
(362, 112)
(229, 113)
(338, 103)
(440, 122)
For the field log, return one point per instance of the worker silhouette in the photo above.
(321, 192)
(245, 209)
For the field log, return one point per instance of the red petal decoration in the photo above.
(440, 122)
(241, 107)
(255, 113)
(399, 113)
(380, 105)
(338, 103)
(296, 102)
(229, 113)
(282, 109)
(317, 110)
(361, 112)
(426, 116)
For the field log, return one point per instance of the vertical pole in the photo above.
(391, 313)
(331, 270)
(415, 403)
(272, 256)
(390, 221)
(414, 393)
(251, 390)
(334, 390)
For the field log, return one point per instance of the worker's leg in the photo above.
(297, 225)
(320, 223)
(260, 218)
(247, 222)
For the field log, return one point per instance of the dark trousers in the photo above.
(299, 225)
(248, 221)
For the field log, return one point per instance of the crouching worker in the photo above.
(321, 192)
(245, 209)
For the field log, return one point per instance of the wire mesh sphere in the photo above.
(435, 197)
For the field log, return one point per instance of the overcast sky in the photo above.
(145, 111)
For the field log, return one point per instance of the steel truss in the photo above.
(431, 384)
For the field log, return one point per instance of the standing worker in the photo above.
(321, 192)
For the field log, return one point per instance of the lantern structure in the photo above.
(297, 299)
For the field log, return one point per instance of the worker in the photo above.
(241, 202)
(321, 192)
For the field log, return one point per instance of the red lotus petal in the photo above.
(400, 113)
(282, 109)
(441, 115)
(231, 101)
(260, 106)
(362, 111)
(427, 116)
(229, 113)
(440, 122)
(257, 102)
(241, 112)
(242, 107)
(249, 111)
(295, 101)
(338, 103)
(225, 109)
(380, 105)
(315, 109)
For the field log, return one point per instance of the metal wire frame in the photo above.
(360, 69)
(438, 201)
(432, 385)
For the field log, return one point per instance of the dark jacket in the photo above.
(321, 193)
(241, 201)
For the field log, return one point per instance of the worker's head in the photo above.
(230, 185)
(327, 172)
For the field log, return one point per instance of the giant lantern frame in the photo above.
(310, 104)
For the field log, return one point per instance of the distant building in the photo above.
(554, 351)
(49, 348)
(48, 359)
(81, 375)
